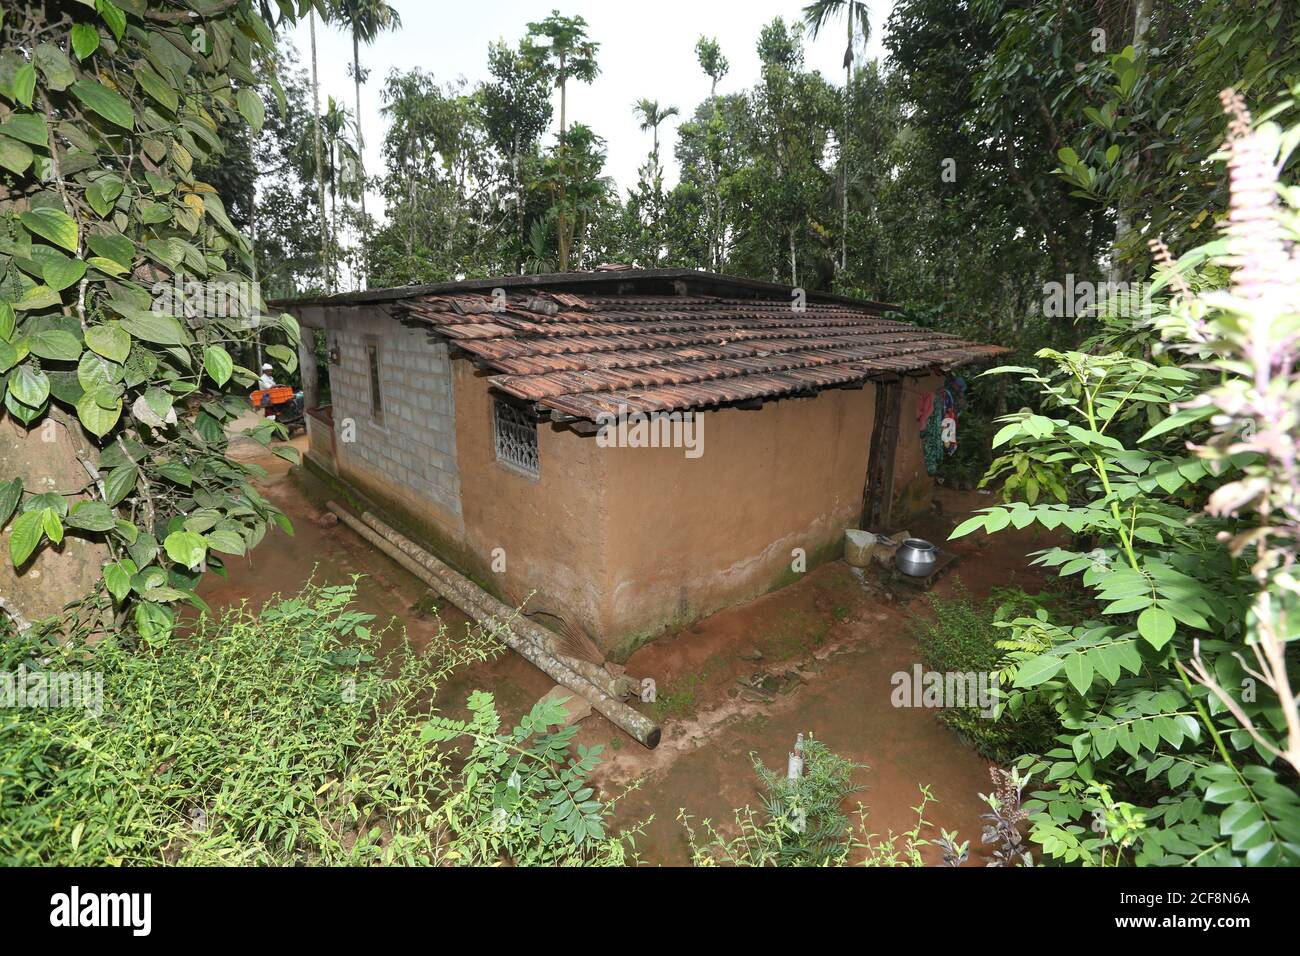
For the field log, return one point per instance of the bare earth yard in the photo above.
(815, 657)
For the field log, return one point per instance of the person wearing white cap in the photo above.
(266, 379)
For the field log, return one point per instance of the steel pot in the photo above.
(916, 557)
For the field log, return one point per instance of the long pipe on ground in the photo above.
(498, 620)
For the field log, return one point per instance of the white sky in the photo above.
(645, 50)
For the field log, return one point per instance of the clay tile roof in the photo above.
(597, 354)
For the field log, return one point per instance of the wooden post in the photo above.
(878, 495)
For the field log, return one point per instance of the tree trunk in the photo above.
(715, 198)
(327, 272)
(1123, 214)
(563, 219)
(844, 151)
(361, 155)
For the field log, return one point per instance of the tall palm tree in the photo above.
(342, 160)
(327, 271)
(652, 114)
(715, 67)
(558, 47)
(816, 15)
(365, 20)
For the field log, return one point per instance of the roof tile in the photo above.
(602, 354)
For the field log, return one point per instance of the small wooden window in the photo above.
(376, 397)
(516, 437)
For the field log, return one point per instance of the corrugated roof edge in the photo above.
(643, 280)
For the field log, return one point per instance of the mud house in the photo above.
(627, 450)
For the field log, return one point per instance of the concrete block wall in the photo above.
(413, 443)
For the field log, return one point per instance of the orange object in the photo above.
(265, 397)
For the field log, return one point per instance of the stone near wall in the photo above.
(58, 575)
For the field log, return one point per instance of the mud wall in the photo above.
(913, 486)
(552, 530)
(687, 537)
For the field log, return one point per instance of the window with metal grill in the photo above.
(516, 437)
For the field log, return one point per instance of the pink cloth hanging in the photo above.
(924, 409)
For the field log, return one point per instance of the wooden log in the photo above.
(461, 593)
(484, 608)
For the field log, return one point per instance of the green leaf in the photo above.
(1079, 671)
(1157, 626)
(14, 156)
(37, 297)
(155, 327)
(186, 548)
(29, 385)
(112, 246)
(967, 526)
(157, 87)
(10, 493)
(106, 266)
(113, 16)
(85, 40)
(109, 104)
(117, 577)
(97, 419)
(154, 622)
(119, 483)
(177, 472)
(1037, 670)
(1227, 790)
(91, 516)
(52, 224)
(30, 128)
(8, 321)
(54, 65)
(226, 542)
(250, 107)
(218, 363)
(110, 340)
(27, 532)
(1184, 416)
(24, 84)
(62, 272)
(55, 344)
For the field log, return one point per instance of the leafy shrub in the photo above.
(803, 823)
(523, 796)
(962, 637)
(1179, 442)
(286, 738)
(275, 739)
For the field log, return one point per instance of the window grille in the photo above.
(376, 397)
(516, 437)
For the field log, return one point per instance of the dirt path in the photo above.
(822, 652)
